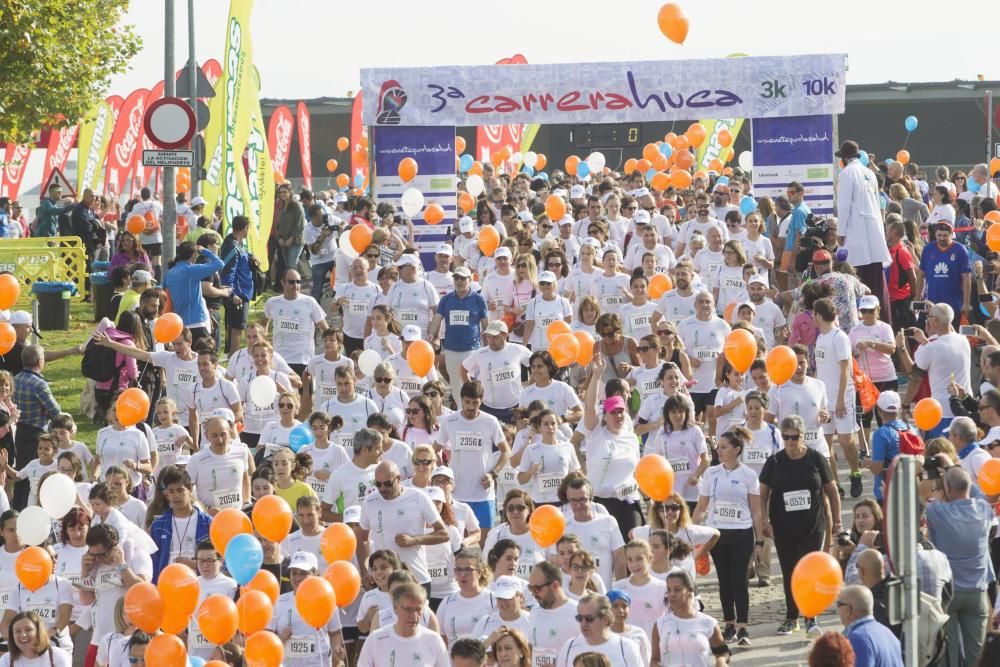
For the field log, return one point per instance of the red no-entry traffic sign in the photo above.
(169, 122)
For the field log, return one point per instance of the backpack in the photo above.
(910, 443)
(257, 275)
(98, 363)
(932, 631)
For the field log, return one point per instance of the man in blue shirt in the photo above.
(466, 317)
(800, 213)
(874, 644)
(945, 268)
(49, 210)
(885, 441)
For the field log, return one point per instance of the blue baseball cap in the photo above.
(617, 595)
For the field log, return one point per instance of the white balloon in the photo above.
(517, 157)
(57, 495)
(346, 247)
(530, 159)
(367, 361)
(34, 525)
(596, 162)
(745, 160)
(412, 201)
(263, 391)
(475, 185)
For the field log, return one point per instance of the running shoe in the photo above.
(855, 484)
(743, 637)
(729, 634)
(789, 626)
(812, 628)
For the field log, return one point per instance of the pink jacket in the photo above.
(129, 369)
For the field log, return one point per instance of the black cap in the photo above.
(848, 149)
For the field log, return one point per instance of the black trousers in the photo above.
(791, 549)
(26, 450)
(731, 555)
(628, 515)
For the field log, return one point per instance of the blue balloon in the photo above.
(747, 205)
(528, 170)
(888, 161)
(582, 170)
(864, 158)
(300, 436)
(650, 173)
(723, 180)
(195, 661)
(666, 150)
(972, 185)
(359, 180)
(465, 162)
(542, 175)
(910, 123)
(244, 557)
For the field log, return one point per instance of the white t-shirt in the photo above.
(218, 478)
(474, 445)
(578, 283)
(804, 400)
(386, 647)
(69, 566)
(646, 380)
(310, 234)
(499, 372)
(358, 307)
(687, 639)
(459, 615)
(413, 303)
(294, 326)
(543, 313)
(705, 341)
(108, 588)
(180, 376)
(354, 413)
(944, 357)
(221, 585)
(637, 320)
(406, 379)
(833, 348)
(45, 602)
(531, 553)
(620, 651)
(611, 462)
(876, 365)
(674, 307)
(486, 625)
(683, 449)
(222, 394)
(557, 396)
(166, 445)
(256, 417)
(765, 441)
(600, 537)
(115, 447)
(322, 370)
(707, 263)
(327, 459)
(307, 645)
(608, 290)
(348, 486)
(647, 602)
(275, 437)
(732, 289)
(768, 316)
(33, 472)
(241, 366)
(56, 657)
(557, 460)
(727, 492)
(494, 289)
(550, 629)
(725, 396)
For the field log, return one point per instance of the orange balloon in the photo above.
(557, 328)
(420, 357)
(781, 364)
(219, 663)
(555, 208)
(680, 143)
(33, 567)
(10, 290)
(655, 476)
(168, 328)
(725, 138)
(496, 159)
(993, 232)
(179, 588)
(684, 159)
(650, 151)
(263, 649)
(407, 169)
(132, 406)
(266, 583)
(343, 180)
(992, 216)
(989, 477)
(8, 337)
(338, 542)
(343, 143)
(331, 165)
(166, 651)
(144, 606)
(702, 174)
(564, 348)
(459, 145)
(643, 166)
(659, 285)
(489, 240)
(740, 349)
(175, 622)
(227, 524)
(586, 342)
(696, 134)
(361, 237)
(680, 180)
(476, 168)
(660, 181)
(727, 314)
(728, 171)
(433, 214)
(547, 524)
(466, 202)
(359, 157)
(903, 156)
(660, 163)
(630, 165)
(994, 166)
(315, 601)
(218, 619)
(540, 162)
(673, 24)
(135, 224)
(346, 581)
(254, 609)
(715, 164)
(927, 414)
(364, 140)
(816, 582)
(272, 517)
(572, 162)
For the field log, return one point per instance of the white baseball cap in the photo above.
(501, 252)
(560, 192)
(566, 220)
(868, 302)
(411, 332)
(465, 224)
(142, 277)
(408, 260)
(757, 278)
(20, 317)
(435, 493)
(577, 192)
(889, 401)
(225, 413)
(198, 201)
(497, 327)
(525, 216)
(444, 249)
(546, 277)
(506, 587)
(303, 560)
(462, 271)
(443, 470)
(641, 217)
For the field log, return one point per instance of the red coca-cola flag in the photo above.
(143, 176)
(279, 138)
(305, 146)
(61, 142)
(125, 141)
(15, 161)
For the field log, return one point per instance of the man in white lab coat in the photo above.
(860, 228)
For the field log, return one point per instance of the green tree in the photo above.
(57, 59)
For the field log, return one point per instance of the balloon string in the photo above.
(906, 139)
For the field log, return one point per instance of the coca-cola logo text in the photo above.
(125, 148)
(66, 138)
(15, 165)
(283, 135)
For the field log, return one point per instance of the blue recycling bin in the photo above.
(98, 266)
(53, 304)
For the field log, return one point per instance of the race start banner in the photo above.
(795, 149)
(758, 87)
(433, 148)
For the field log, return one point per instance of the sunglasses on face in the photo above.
(589, 618)
(670, 508)
(645, 348)
(384, 485)
(413, 411)
(536, 588)
(431, 394)
(517, 509)
(790, 437)
(293, 282)
(286, 405)
(422, 462)
(383, 380)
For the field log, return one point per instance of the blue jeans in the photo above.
(319, 279)
(292, 254)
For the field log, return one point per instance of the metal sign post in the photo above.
(901, 513)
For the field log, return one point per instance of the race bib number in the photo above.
(183, 377)
(796, 501)
(327, 391)
(345, 440)
(467, 441)
(812, 438)
(358, 308)
(733, 283)
(46, 612)
(543, 657)
(271, 448)
(611, 300)
(439, 571)
(286, 325)
(626, 491)
(108, 580)
(705, 354)
(548, 483)
(544, 322)
(301, 647)
(755, 455)
(317, 486)
(508, 476)
(408, 316)
(198, 640)
(638, 320)
(680, 464)
(165, 446)
(458, 318)
(649, 387)
(410, 385)
(820, 354)
(227, 498)
(727, 512)
(505, 375)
